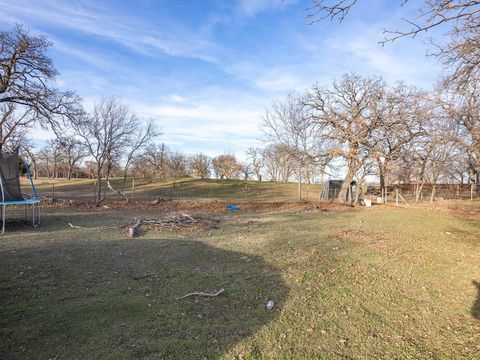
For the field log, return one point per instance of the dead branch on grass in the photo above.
(91, 227)
(143, 276)
(201, 293)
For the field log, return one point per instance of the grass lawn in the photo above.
(358, 283)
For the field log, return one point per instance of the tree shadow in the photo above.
(476, 305)
(53, 220)
(118, 299)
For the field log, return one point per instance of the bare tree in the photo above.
(155, 156)
(289, 123)
(199, 164)
(255, 156)
(246, 171)
(463, 108)
(26, 78)
(176, 166)
(144, 136)
(402, 112)
(106, 133)
(73, 151)
(278, 162)
(346, 115)
(13, 125)
(28, 151)
(226, 166)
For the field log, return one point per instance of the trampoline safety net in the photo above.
(10, 177)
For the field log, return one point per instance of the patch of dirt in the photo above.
(177, 223)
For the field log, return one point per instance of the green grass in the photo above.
(361, 283)
(147, 189)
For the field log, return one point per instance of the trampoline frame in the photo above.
(25, 202)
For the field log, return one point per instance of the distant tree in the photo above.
(226, 166)
(141, 140)
(72, 151)
(278, 162)
(155, 155)
(254, 154)
(176, 165)
(288, 123)
(246, 170)
(200, 165)
(106, 133)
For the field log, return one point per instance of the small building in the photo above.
(330, 189)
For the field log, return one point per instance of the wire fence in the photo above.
(240, 190)
(182, 189)
(417, 193)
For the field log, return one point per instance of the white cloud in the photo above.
(177, 98)
(399, 61)
(251, 8)
(174, 39)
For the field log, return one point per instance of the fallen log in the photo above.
(133, 230)
(159, 199)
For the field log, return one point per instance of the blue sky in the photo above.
(207, 70)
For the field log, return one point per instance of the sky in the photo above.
(206, 71)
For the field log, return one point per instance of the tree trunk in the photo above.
(98, 195)
(124, 181)
(34, 169)
(299, 181)
(344, 194)
(419, 191)
(432, 195)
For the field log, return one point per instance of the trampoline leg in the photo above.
(33, 215)
(25, 213)
(3, 219)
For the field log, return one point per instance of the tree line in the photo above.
(359, 126)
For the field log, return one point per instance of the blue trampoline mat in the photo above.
(20, 202)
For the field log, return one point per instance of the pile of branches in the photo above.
(173, 223)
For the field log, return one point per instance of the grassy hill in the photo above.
(147, 189)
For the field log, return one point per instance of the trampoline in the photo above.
(11, 190)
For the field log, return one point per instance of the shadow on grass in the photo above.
(117, 299)
(57, 219)
(476, 304)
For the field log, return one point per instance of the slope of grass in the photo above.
(146, 189)
(362, 283)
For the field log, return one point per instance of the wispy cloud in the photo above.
(398, 61)
(90, 18)
(253, 7)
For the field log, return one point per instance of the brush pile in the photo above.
(175, 223)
